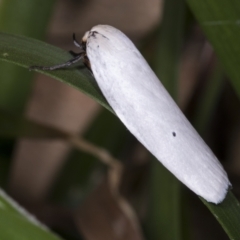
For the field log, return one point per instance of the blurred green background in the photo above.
(193, 46)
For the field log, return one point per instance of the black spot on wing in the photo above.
(174, 134)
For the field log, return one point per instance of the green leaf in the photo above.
(28, 18)
(26, 52)
(228, 215)
(15, 224)
(220, 22)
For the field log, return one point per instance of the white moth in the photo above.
(144, 106)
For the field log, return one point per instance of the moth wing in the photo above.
(148, 111)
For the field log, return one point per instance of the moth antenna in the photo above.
(76, 43)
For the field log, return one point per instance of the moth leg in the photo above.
(77, 58)
(73, 53)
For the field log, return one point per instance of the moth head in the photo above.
(102, 30)
(85, 37)
(108, 36)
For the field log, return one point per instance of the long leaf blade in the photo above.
(26, 52)
(220, 21)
